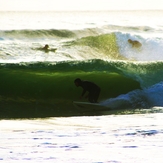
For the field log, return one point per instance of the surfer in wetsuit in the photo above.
(92, 88)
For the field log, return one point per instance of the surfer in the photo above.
(46, 48)
(92, 88)
(135, 43)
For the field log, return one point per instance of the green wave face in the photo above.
(46, 89)
(24, 89)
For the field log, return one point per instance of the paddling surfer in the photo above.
(46, 48)
(93, 89)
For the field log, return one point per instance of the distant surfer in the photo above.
(92, 88)
(135, 43)
(46, 48)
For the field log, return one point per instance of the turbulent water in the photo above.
(37, 83)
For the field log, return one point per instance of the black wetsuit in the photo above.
(93, 90)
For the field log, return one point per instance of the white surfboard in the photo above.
(87, 106)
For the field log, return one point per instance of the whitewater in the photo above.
(38, 120)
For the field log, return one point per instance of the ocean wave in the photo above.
(151, 49)
(79, 45)
(146, 98)
(50, 86)
(53, 85)
(146, 73)
(67, 33)
(52, 33)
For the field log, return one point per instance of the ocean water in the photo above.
(38, 120)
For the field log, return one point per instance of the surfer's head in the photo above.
(46, 46)
(129, 40)
(77, 82)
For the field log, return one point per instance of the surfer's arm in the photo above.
(83, 93)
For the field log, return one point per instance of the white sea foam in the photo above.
(124, 138)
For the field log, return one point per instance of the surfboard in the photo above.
(87, 106)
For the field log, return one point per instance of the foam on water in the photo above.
(102, 139)
(146, 98)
